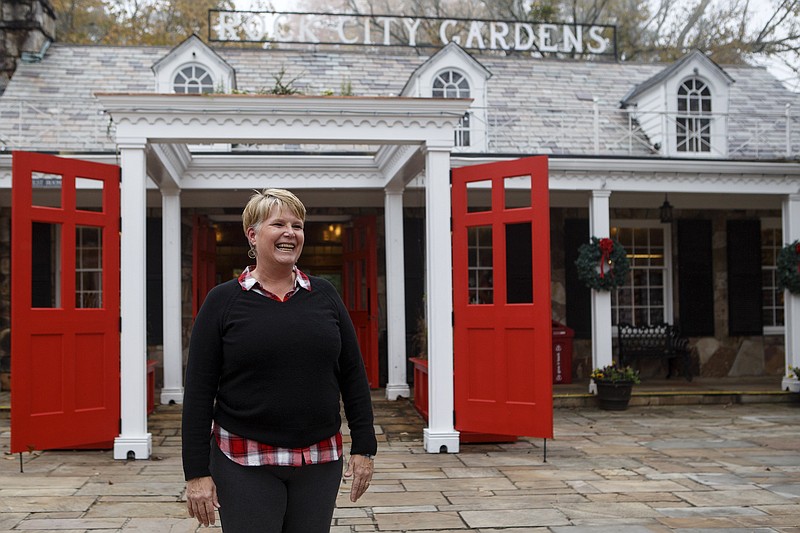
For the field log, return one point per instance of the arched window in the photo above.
(193, 79)
(694, 116)
(451, 84)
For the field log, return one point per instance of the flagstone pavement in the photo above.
(685, 468)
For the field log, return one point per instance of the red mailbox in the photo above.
(562, 353)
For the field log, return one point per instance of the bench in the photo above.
(660, 341)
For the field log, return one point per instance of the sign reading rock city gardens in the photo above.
(386, 30)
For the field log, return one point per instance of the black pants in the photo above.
(275, 499)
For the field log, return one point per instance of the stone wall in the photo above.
(5, 267)
(724, 355)
(26, 28)
(718, 356)
(558, 275)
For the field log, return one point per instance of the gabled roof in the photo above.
(533, 104)
(449, 48)
(192, 40)
(695, 55)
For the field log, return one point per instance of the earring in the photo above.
(251, 253)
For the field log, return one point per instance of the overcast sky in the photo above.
(761, 10)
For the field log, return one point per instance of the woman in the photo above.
(271, 354)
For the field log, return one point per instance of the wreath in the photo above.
(788, 265)
(602, 264)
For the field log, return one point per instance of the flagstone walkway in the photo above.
(685, 468)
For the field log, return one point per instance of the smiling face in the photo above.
(278, 239)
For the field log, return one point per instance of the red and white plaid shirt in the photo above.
(248, 452)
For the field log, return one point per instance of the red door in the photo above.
(204, 260)
(360, 279)
(501, 298)
(64, 303)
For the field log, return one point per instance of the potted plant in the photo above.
(614, 386)
(794, 385)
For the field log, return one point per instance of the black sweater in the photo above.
(276, 371)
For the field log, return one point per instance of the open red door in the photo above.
(360, 282)
(501, 299)
(64, 303)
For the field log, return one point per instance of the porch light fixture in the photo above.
(665, 211)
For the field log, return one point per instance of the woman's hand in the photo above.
(360, 468)
(201, 499)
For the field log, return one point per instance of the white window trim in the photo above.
(718, 117)
(696, 116)
(774, 223)
(459, 130)
(215, 83)
(669, 316)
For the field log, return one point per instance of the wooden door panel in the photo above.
(360, 282)
(204, 260)
(65, 303)
(501, 284)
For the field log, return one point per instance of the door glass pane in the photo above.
(517, 191)
(46, 265)
(480, 270)
(519, 263)
(479, 196)
(46, 189)
(89, 194)
(88, 267)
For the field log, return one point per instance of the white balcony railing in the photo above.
(80, 125)
(55, 124)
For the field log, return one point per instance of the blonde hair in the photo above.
(262, 203)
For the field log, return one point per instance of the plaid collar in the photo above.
(248, 282)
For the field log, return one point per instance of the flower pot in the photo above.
(613, 396)
(794, 385)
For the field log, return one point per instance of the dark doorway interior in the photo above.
(322, 251)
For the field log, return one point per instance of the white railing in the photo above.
(586, 128)
(597, 130)
(57, 124)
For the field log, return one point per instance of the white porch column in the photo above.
(440, 435)
(791, 313)
(134, 438)
(395, 296)
(599, 227)
(172, 392)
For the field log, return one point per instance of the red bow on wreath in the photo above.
(606, 247)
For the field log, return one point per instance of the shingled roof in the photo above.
(535, 105)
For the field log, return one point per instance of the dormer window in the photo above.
(453, 73)
(193, 68)
(694, 117)
(193, 79)
(452, 84)
(674, 108)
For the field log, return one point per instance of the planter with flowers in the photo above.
(793, 384)
(614, 386)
